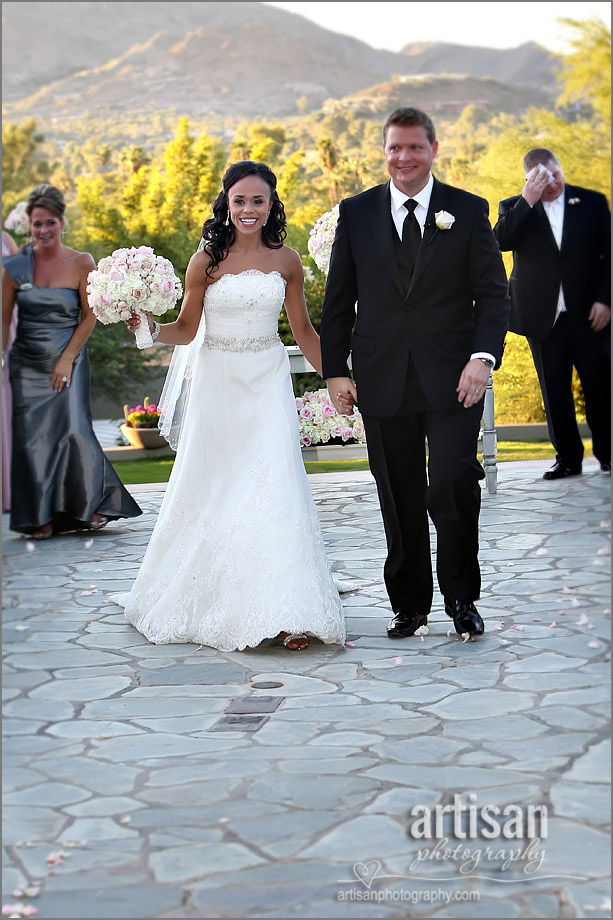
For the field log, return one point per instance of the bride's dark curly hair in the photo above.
(219, 236)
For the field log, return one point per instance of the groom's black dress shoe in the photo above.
(465, 617)
(605, 467)
(559, 470)
(405, 624)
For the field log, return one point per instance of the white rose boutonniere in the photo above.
(444, 220)
(574, 200)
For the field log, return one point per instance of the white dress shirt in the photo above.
(399, 212)
(555, 214)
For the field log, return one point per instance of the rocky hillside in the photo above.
(70, 60)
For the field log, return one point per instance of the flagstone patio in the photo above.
(180, 781)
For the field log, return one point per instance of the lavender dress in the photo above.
(7, 407)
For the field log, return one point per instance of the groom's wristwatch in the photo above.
(488, 362)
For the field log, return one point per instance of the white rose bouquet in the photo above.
(17, 221)
(321, 238)
(133, 280)
(320, 423)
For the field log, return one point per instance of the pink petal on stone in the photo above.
(30, 546)
(541, 552)
(593, 644)
(582, 620)
(551, 625)
(350, 644)
(503, 641)
(88, 543)
(536, 619)
(398, 660)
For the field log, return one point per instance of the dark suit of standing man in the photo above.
(432, 313)
(560, 300)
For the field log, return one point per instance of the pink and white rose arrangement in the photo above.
(133, 280)
(321, 238)
(17, 220)
(319, 422)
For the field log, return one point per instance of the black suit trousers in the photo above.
(568, 346)
(448, 491)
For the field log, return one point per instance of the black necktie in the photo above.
(411, 233)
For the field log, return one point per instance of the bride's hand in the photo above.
(135, 320)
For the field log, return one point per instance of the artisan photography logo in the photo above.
(472, 821)
(508, 839)
(461, 840)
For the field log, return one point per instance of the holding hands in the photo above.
(343, 394)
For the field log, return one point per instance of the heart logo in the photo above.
(365, 872)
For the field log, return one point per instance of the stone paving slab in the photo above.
(123, 798)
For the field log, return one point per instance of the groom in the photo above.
(417, 292)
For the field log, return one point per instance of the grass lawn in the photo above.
(134, 472)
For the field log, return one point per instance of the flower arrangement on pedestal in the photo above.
(141, 425)
(319, 422)
(321, 238)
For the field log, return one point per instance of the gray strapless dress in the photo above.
(58, 470)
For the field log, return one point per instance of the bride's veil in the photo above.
(175, 392)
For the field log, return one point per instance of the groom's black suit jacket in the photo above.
(456, 304)
(582, 264)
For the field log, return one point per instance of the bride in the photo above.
(237, 555)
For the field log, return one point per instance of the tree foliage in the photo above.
(586, 72)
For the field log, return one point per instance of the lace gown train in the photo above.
(237, 554)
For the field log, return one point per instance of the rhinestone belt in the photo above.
(233, 343)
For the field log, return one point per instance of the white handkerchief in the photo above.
(539, 168)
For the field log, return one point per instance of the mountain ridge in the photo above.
(205, 58)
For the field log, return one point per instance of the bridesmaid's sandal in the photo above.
(100, 522)
(295, 642)
(44, 533)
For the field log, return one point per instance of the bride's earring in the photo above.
(266, 221)
(227, 220)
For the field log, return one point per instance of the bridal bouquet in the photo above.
(319, 422)
(321, 238)
(17, 221)
(133, 280)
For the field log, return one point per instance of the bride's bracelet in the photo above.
(156, 330)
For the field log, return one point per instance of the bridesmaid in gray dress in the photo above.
(60, 478)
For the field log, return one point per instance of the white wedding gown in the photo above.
(237, 555)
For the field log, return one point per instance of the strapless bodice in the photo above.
(244, 305)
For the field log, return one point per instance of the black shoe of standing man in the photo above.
(560, 470)
(405, 624)
(465, 617)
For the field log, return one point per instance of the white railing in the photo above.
(488, 439)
